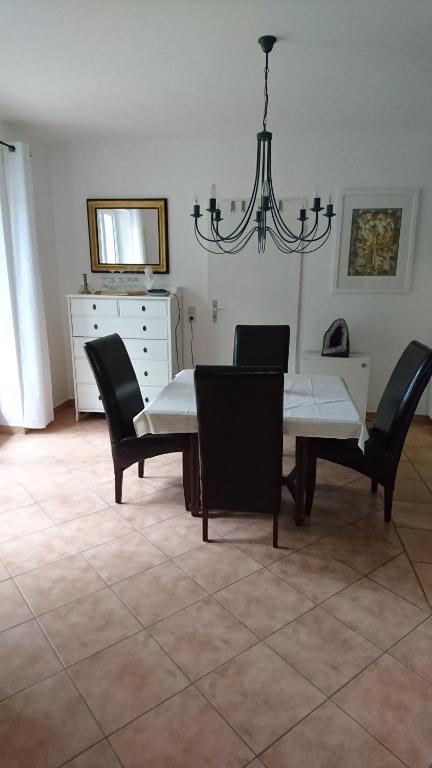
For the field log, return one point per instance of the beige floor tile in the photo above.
(158, 592)
(415, 650)
(52, 484)
(424, 572)
(58, 583)
(316, 575)
(375, 612)
(14, 496)
(126, 680)
(256, 764)
(323, 649)
(124, 557)
(411, 514)
(214, 566)
(35, 549)
(25, 658)
(53, 724)
(350, 502)
(424, 469)
(4, 573)
(177, 535)
(375, 525)
(321, 523)
(256, 541)
(68, 506)
(263, 602)
(6, 478)
(407, 489)
(175, 493)
(100, 756)
(361, 550)
(92, 474)
(22, 521)
(184, 731)
(329, 474)
(260, 695)
(202, 637)
(154, 508)
(88, 625)
(394, 705)
(13, 608)
(399, 576)
(418, 453)
(328, 738)
(418, 544)
(407, 471)
(97, 528)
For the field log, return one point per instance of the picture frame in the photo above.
(375, 243)
(128, 235)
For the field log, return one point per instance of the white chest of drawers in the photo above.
(150, 327)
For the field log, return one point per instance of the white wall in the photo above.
(380, 325)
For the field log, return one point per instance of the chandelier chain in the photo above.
(266, 70)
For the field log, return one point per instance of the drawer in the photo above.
(151, 372)
(146, 350)
(149, 394)
(127, 327)
(155, 349)
(88, 398)
(143, 308)
(93, 306)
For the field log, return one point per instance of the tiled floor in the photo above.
(126, 642)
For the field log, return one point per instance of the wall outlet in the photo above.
(191, 314)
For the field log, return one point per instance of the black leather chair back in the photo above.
(263, 345)
(117, 383)
(240, 414)
(400, 399)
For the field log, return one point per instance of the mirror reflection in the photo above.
(128, 235)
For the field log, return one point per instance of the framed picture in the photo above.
(376, 241)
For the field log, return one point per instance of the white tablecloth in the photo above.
(314, 406)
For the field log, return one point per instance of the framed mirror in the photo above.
(128, 235)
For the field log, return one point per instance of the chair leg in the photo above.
(118, 485)
(310, 484)
(187, 478)
(374, 486)
(141, 468)
(388, 501)
(205, 523)
(275, 528)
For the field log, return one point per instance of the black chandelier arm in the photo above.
(240, 242)
(320, 244)
(235, 250)
(281, 244)
(317, 238)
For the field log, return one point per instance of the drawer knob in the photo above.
(144, 349)
(94, 306)
(364, 365)
(143, 308)
(145, 373)
(95, 326)
(144, 327)
(146, 399)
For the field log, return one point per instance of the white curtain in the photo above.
(25, 375)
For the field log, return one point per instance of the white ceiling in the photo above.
(139, 68)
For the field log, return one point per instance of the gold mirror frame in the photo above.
(157, 203)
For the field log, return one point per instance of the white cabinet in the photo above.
(354, 370)
(150, 327)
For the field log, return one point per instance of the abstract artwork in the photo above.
(376, 241)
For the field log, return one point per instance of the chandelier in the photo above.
(268, 218)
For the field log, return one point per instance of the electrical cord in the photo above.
(191, 342)
(176, 327)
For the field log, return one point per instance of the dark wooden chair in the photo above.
(122, 400)
(387, 435)
(263, 345)
(240, 452)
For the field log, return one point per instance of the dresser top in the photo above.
(147, 296)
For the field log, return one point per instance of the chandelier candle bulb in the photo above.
(268, 217)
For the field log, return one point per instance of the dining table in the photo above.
(313, 406)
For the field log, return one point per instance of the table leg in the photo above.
(300, 479)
